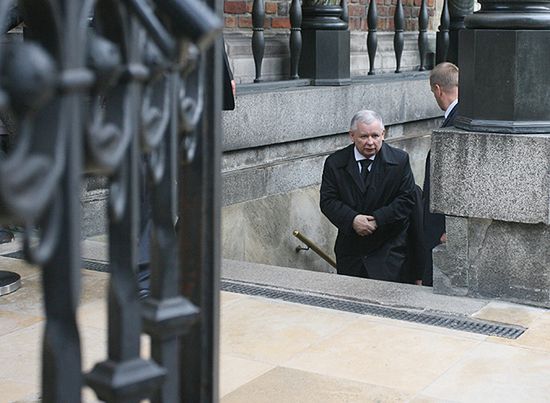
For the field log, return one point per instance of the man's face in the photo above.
(368, 138)
(438, 95)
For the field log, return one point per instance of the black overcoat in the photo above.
(387, 195)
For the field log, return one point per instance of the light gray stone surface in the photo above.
(493, 176)
(282, 116)
(93, 201)
(265, 171)
(494, 259)
(450, 261)
(372, 291)
(261, 230)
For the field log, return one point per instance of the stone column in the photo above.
(491, 174)
(326, 43)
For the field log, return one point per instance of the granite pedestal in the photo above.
(495, 190)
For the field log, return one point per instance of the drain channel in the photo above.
(337, 303)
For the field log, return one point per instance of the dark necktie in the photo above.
(365, 168)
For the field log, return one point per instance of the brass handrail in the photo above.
(311, 245)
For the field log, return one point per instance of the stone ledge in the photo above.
(280, 116)
(492, 176)
(371, 291)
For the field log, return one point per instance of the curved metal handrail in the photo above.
(311, 245)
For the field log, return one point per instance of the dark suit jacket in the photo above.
(387, 195)
(434, 224)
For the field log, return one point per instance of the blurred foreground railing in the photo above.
(129, 90)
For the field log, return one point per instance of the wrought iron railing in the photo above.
(129, 90)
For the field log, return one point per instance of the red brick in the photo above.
(267, 23)
(234, 7)
(417, 3)
(356, 10)
(270, 7)
(249, 6)
(355, 24)
(383, 11)
(280, 22)
(411, 25)
(390, 26)
(245, 22)
(230, 21)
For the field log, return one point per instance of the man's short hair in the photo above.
(366, 117)
(445, 75)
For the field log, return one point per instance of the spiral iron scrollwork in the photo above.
(113, 89)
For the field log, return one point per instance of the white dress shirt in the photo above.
(450, 108)
(359, 157)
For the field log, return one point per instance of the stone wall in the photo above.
(275, 144)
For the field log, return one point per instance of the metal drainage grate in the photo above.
(323, 301)
(86, 264)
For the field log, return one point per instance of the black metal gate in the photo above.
(130, 90)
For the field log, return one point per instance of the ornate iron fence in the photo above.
(121, 89)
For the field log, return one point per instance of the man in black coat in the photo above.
(444, 85)
(367, 192)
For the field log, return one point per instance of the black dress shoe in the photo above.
(6, 236)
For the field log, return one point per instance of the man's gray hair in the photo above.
(366, 117)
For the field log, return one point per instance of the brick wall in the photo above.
(237, 14)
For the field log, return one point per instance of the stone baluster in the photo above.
(258, 41)
(422, 34)
(442, 45)
(398, 38)
(295, 37)
(372, 40)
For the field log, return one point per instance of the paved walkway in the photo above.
(275, 351)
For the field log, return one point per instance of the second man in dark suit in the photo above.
(444, 86)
